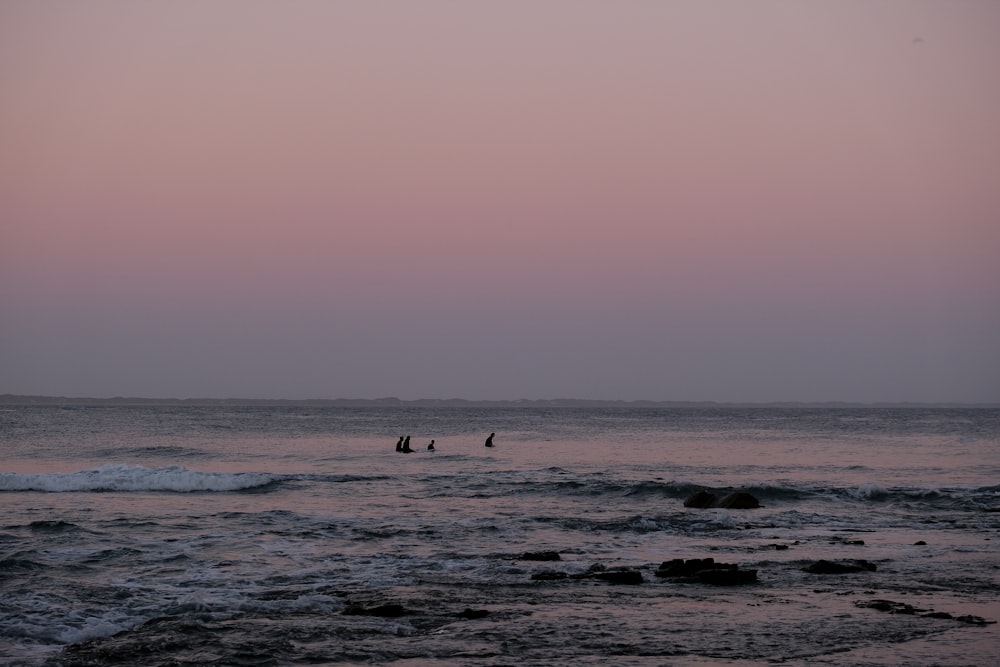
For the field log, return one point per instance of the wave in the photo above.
(769, 494)
(126, 478)
(981, 497)
(785, 493)
(869, 492)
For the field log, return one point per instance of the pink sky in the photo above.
(622, 200)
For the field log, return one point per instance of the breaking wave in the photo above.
(125, 478)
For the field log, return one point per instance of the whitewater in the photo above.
(296, 534)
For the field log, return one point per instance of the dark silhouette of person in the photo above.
(430, 447)
(489, 440)
(406, 446)
(399, 444)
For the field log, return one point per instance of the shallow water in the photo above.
(262, 535)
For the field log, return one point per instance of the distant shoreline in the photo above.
(17, 399)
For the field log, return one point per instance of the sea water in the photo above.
(296, 534)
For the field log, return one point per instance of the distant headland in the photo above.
(18, 399)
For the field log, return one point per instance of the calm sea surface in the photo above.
(167, 535)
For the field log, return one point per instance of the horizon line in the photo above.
(9, 398)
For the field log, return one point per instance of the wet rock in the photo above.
(920, 543)
(591, 571)
(472, 613)
(902, 608)
(679, 567)
(727, 577)
(384, 610)
(701, 499)
(620, 577)
(540, 555)
(832, 567)
(887, 606)
(596, 571)
(974, 620)
(739, 500)
(706, 571)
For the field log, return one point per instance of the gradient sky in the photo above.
(680, 200)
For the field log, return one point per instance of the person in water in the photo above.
(399, 444)
(489, 440)
(430, 447)
(406, 445)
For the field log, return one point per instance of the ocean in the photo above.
(297, 535)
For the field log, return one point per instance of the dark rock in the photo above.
(728, 577)
(973, 620)
(881, 605)
(472, 613)
(920, 543)
(830, 567)
(888, 606)
(739, 501)
(909, 610)
(687, 568)
(701, 499)
(540, 555)
(626, 577)
(595, 571)
(706, 571)
(591, 571)
(780, 547)
(385, 611)
(618, 576)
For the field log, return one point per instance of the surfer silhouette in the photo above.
(430, 447)
(489, 440)
(406, 445)
(399, 444)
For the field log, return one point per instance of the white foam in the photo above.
(134, 478)
(55, 626)
(870, 492)
(95, 628)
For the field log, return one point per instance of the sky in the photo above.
(621, 200)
